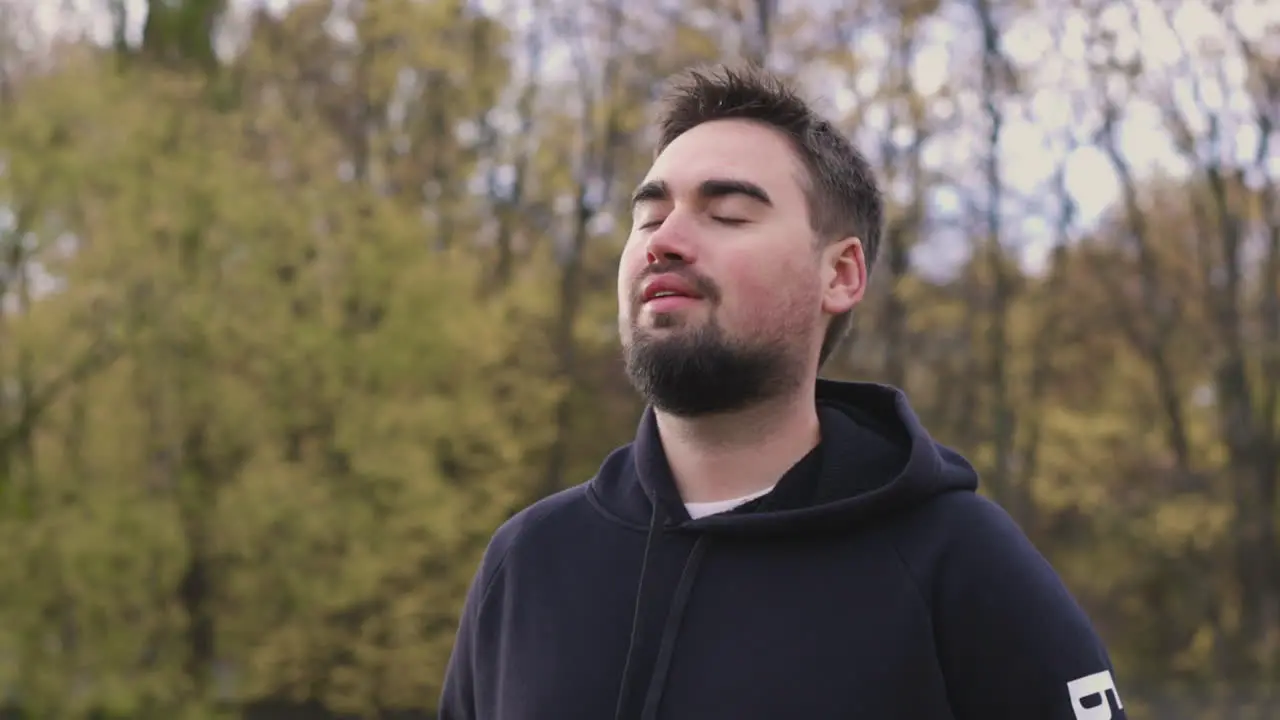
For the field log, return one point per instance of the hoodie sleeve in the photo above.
(457, 701)
(1012, 641)
(467, 669)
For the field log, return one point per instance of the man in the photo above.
(771, 545)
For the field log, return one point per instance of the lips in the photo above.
(667, 286)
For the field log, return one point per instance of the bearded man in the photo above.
(771, 544)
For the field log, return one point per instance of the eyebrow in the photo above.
(658, 190)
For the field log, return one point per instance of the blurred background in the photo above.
(300, 300)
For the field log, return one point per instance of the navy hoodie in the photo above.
(872, 583)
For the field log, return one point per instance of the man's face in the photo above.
(720, 286)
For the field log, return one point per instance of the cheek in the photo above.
(751, 290)
(629, 265)
(770, 295)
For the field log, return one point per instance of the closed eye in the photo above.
(722, 220)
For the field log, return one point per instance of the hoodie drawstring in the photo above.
(624, 691)
(670, 629)
(667, 647)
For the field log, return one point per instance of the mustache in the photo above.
(700, 283)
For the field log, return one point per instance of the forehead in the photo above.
(735, 150)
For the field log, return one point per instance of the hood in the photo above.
(875, 459)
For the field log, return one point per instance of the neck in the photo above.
(726, 456)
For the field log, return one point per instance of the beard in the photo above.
(700, 371)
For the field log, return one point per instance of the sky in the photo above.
(1057, 51)
(1056, 48)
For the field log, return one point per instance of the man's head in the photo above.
(752, 237)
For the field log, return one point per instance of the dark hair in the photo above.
(842, 193)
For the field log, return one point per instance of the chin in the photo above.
(665, 321)
(675, 321)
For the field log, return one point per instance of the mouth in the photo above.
(670, 297)
(668, 303)
(668, 289)
(667, 294)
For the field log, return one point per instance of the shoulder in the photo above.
(962, 541)
(524, 528)
(974, 564)
(1011, 638)
(970, 523)
(518, 532)
(956, 521)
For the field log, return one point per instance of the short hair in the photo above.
(842, 194)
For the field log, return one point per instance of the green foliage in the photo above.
(309, 399)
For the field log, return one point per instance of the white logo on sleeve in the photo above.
(1093, 687)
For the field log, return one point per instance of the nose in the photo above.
(670, 243)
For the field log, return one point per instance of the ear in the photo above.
(844, 275)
